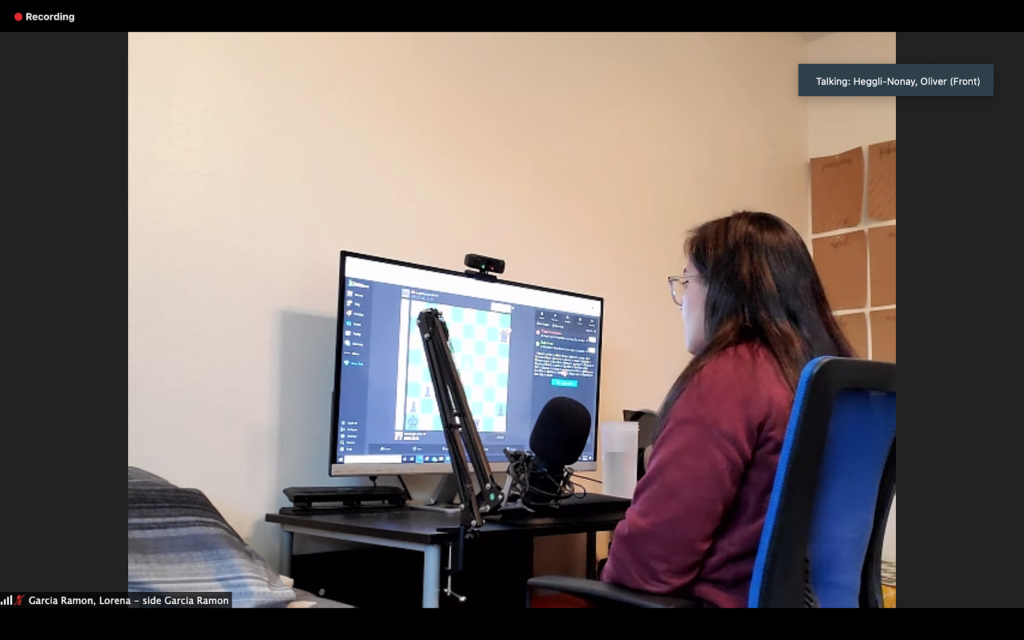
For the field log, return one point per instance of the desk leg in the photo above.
(592, 556)
(432, 577)
(285, 558)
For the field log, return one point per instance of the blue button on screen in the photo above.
(572, 384)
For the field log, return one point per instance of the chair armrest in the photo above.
(608, 595)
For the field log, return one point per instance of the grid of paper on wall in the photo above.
(853, 231)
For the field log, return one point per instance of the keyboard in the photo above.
(592, 507)
(308, 496)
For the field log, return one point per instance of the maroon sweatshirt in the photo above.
(697, 515)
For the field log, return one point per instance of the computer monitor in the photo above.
(516, 347)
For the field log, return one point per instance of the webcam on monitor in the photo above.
(483, 267)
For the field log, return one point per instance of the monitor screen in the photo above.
(516, 347)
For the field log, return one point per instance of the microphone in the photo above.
(543, 477)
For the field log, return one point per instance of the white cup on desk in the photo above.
(620, 442)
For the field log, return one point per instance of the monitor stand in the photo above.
(445, 498)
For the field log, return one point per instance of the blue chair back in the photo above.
(833, 491)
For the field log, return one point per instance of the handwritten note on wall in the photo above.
(882, 181)
(837, 191)
(842, 262)
(883, 335)
(855, 328)
(882, 241)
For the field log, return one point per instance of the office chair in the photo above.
(834, 488)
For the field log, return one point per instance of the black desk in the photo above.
(419, 531)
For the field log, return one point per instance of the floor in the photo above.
(558, 601)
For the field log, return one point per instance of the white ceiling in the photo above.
(813, 35)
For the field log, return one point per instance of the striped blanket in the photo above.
(179, 542)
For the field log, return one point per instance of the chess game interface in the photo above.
(515, 348)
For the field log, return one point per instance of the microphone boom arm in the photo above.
(460, 430)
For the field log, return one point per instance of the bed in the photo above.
(179, 542)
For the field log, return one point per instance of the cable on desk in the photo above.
(519, 471)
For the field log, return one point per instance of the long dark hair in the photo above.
(762, 288)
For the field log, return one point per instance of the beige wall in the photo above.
(253, 159)
(840, 124)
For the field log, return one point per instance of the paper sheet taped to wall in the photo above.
(882, 244)
(842, 262)
(883, 335)
(855, 327)
(837, 191)
(882, 181)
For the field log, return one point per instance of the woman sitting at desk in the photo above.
(755, 313)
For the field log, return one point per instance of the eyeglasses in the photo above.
(678, 285)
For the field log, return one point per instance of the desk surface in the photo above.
(422, 527)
